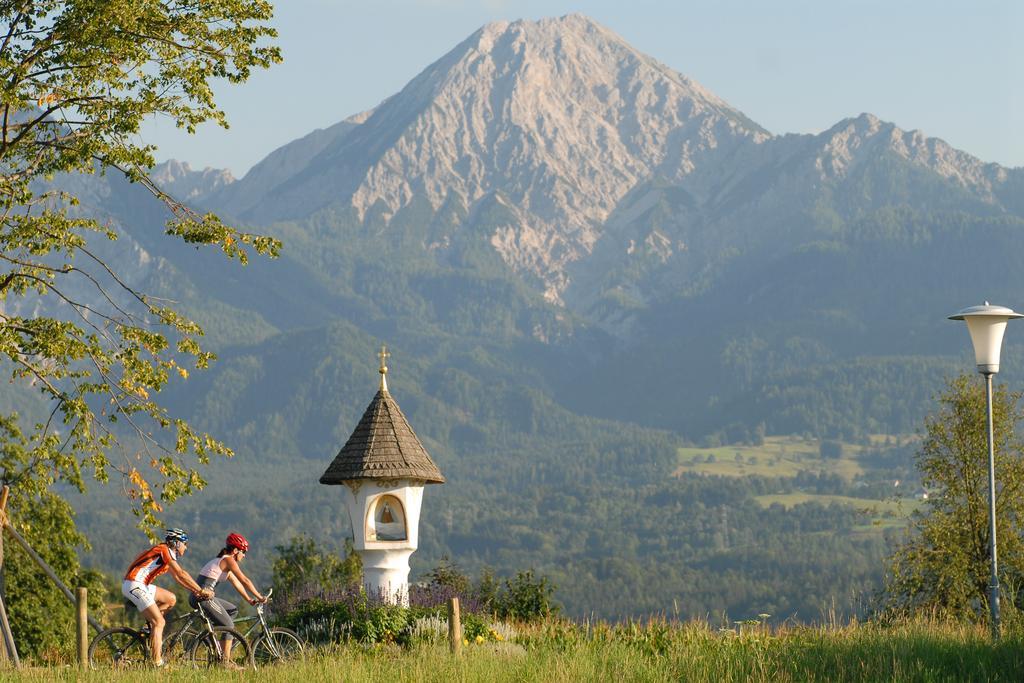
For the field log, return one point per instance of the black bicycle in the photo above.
(191, 638)
(271, 644)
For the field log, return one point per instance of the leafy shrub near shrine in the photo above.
(347, 613)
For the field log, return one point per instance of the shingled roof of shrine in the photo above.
(382, 446)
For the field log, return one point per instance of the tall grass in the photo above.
(654, 651)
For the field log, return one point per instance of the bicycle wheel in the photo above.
(208, 650)
(277, 645)
(121, 648)
(176, 645)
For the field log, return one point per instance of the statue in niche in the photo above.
(388, 520)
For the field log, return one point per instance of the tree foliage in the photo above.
(301, 564)
(41, 618)
(943, 567)
(77, 80)
(447, 574)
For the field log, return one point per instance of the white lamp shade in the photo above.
(986, 325)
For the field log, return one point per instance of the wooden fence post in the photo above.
(8, 650)
(454, 626)
(82, 594)
(4, 656)
(8, 637)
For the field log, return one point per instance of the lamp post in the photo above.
(986, 325)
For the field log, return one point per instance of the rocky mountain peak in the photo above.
(554, 121)
(558, 119)
(578, 160)
(852, 140)
(178, 179)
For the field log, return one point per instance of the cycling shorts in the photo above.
(140, 595)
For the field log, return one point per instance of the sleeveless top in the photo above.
(210, 574)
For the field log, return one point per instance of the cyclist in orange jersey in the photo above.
(152, 601)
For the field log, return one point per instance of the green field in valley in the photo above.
(789, 456)
(877, 514)
(778, 456)
(894, 507)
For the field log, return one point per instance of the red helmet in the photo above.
(237, 541)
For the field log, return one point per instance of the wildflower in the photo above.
(479, 639)
(465, 641)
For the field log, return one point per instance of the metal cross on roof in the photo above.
(383, 355)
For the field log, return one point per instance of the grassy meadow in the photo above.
(778, 456)
(655, 651)
(788, 456)
(879, 514)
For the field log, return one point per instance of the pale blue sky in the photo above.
(952, 69)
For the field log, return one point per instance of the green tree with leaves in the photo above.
(447, 574)
(944, 565)
(302, 563)
(40, 616)
(77, 80)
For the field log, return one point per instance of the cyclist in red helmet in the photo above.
(225, 567)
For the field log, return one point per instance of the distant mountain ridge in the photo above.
(554, 120)
(185, 184)
(539, 139)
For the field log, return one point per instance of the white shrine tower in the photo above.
(383, 468)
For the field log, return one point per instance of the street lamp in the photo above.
(986, 325)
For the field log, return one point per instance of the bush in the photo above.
(526, 598)
(447, 574)
(383, 624)
(341, 616)
(473, 626)
(429, 629)
(327, 616)
(302, 563)
(523, 598)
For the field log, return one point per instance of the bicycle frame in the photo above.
(260, 627)
(185, 630)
